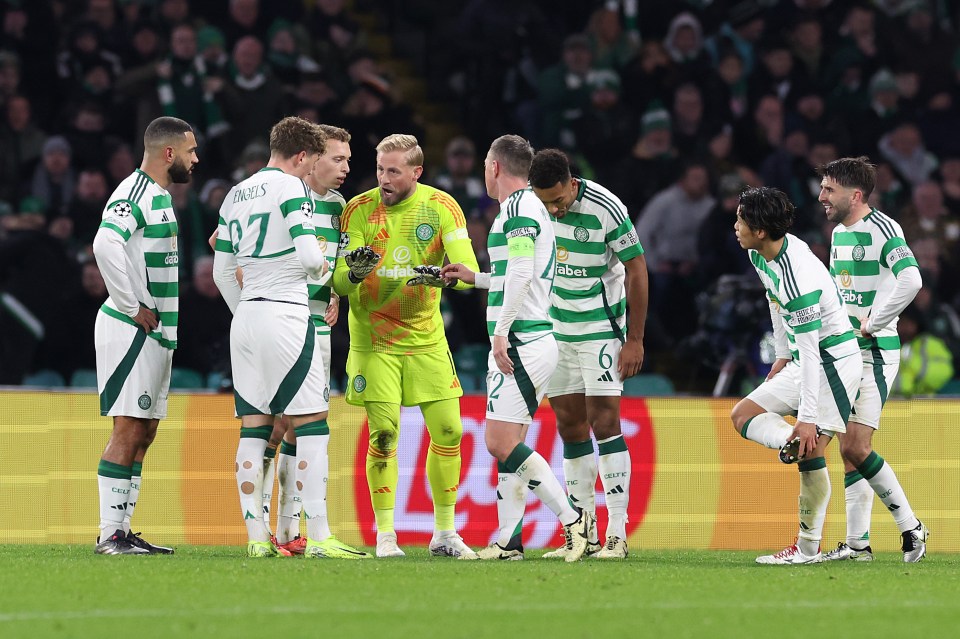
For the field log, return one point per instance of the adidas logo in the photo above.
(383, 490)
(499, 496)
(119, 507)
(452, 489)
(616, 490)
(893, 507)
(382, 235)
(804, 526)
(532, 484)
(490, 406)
(164, 218)
(456, 383)
(606, 377)
(248, 515)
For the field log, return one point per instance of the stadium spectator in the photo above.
(652, 164)
(904, 149)
(253, 99)
(22, 141)
(607, 128)
(244, 19)
(54, 178)
(459, 177)
(86, 209)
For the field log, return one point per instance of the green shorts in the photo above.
(408, 380)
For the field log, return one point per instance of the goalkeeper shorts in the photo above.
(408, 380)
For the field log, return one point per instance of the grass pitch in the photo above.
(214, 592)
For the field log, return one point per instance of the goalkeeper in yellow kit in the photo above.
(392, 245)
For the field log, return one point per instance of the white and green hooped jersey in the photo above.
(141, 212)
(326, 218)
(522, 215)
(594, 238)
(258, 220)
(805, 298)
(865, 259)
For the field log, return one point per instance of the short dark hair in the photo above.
(767, 209)
(852, 173)
(165, 131)
(292, 135)
(514, 153)
(549, 168)
(335, 132)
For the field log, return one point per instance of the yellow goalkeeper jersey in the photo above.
(386, 315)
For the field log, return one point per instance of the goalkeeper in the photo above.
(393, 241)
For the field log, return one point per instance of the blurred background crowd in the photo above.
(675, 106)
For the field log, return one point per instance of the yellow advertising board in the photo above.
(695, 483)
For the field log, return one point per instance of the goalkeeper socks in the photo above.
(858, 497)
(253, 442)
(615, 471)
(767, 429)
(814, 498)
(535, 472)
(511, 502)
(580, 473)
(443, 473)
(885, 483)
(269, 470)
(382, 478)
(288, 498)
(312, 468)
(113, 482)
(135, 478)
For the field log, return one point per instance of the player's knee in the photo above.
(853, 451)
(739, 415)
(446, 433)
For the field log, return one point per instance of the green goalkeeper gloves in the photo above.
(361, 262)
(428, 276)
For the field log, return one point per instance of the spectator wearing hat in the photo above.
(652, 163)
(22, 142)
(882, 115)
(564, 93)
(211, 45)
(684, 45)
(606, 130)
(285, 57)
(459, 177)
(54, 178)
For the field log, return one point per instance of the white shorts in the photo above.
(323, 343)
(875, 385)
(276, 360)
(587, 367)
(133, 370)
(515, 398)
(838, 389)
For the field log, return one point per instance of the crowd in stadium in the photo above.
(674, 106)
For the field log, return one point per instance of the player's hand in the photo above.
(452, 273)
(333, 311)
(427, 276)
(500, 345)
(361, 262)
(865, 328)
(146, 319)
(631, 359)
(777, 367)
(808, 435)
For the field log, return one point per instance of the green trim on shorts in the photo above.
(878, 374)
(618, 445)
(519, 455)
(112, 470)
(871, 465)
(839, 392)
(310, 429)
(244, 407)
(296, 375)
(256, 432)
(287, 448)
(808, 465)
(574, 450)
(111, 390)
(527, 391)
(850, 478)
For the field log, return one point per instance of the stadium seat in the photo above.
(951, 388)
(186, 379)
(44, 379)
(648, 385)
(472, 360)
(84, 378)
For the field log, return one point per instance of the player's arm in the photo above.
(625, 243)
(780, 342)
(521, 233)
(456, 241)
(896, 256)
(225, 263)
(121, 219)
(805, 319)
(297, 209)
(355, 261)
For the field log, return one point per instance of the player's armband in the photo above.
(520, 244)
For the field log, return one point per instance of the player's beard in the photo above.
(179, 172)
(838, 214)
(396, 197)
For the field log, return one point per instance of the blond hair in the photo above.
(413, 154)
